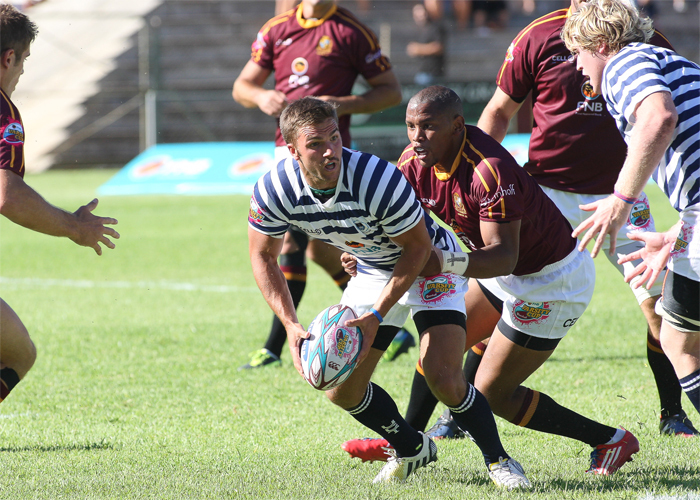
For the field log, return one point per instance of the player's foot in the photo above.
(607, 458)
(261, 358)
(402, 342)
(368, 449)
(509, 474)
(445, 428)
(399, 468)
(677, 425)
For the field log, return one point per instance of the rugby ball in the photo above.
(330, 354)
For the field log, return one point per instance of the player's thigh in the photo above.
(17, 350)
(325, 255)
(484, 310)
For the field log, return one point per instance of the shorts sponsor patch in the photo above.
(437, 288)
(682, 240)
(527, 313)
(640, 216)
(13, 133)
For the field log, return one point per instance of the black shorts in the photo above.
(525, 340)
(680, 302)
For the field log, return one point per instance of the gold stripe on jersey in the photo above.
(442, 175)
(525, 31)
(410, 158)
(495, 176)
(313, 23)
(282, 18)
(9, 104)
(373, 42)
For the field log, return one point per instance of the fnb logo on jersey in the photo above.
(325, 46)
(13, 133)
(531, 312)
(640, 216)
(354, 244)
(299, 67)
(684, 236)
(436, 288)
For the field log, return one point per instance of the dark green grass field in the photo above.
(136, 393)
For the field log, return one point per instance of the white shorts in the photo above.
(685, 256)
(548, 303)
(640, 219)
(440, 292)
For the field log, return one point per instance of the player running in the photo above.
(363, 205)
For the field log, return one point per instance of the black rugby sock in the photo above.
(691, 386)
(8, 380)
(278, 334)
(666, 380)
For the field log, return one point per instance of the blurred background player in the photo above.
(428, 47)
(20, 203)
(576, 155)
(316, 49)
(654, 96)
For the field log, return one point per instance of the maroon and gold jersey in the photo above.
(574, 145)
(11, 136)
(318, 56)
(485, 183)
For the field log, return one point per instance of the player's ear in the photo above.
(6, 59)
(458, 124)
(293, 151)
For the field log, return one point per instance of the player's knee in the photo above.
(345, 397)
(448, 388)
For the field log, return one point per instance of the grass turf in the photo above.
(136, 393)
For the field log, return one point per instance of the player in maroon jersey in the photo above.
(529, 284)
(315, 49)
(576, 157)
(20, 203)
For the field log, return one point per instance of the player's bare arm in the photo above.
(24, 206)
(248, 90)
(655, 123)
(385, 93)
(416, 245)
(264, 251)
(496, 116)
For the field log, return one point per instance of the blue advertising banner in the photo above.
(206, 168)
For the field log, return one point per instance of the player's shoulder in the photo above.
(406, 158)
(278, 20)
(351, 24)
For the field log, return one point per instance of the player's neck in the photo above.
(316, 11)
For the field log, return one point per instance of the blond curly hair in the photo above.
(613, 23)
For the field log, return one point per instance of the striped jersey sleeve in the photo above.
(638, 71)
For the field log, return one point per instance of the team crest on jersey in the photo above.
(13, 133)
(299, 67)
(459, 206)
(682, 240)
(255, 214)
(640, 217)
(361, 226)
(527, 313)
(325, 46)
(437, 288)
(587, 91)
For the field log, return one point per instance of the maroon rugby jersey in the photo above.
(486, 183)
(11, 136)
(318, 57)
(571, 149)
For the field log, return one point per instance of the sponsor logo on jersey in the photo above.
(640, 216)
(343, 342)
(299, 67)
(285, 43)
(682, 240)
(312, 231)
(255, 214)
(362, 226)
(588, 92)
(325, 46)
(459, 206)
(462, 235)
(501, 192)
(354, 244)
(510, 53)
(259, 42)
(428, 202)
(436, 288)
(373, 56)
(527, 313)
(13, 133)
(563, 58)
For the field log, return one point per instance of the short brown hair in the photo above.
(302, 113)
(612, 23)
(17, 32)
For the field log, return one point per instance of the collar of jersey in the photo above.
(444, 176)
(313, 23)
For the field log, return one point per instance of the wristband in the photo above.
(376, 313)
(455, 262)
(626, 199)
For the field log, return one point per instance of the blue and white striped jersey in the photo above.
(372, 203)
(640, 70)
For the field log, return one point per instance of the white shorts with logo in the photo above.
(548, 303)
(640, 219)
(440, 292)
(685, 256)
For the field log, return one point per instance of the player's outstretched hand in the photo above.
(91, 229)
(655, 255)
(349, 263)
(368, 324)
(610, 215)
(295, 337)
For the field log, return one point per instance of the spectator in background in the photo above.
(490, 15)
(461, 9)
(428, 47)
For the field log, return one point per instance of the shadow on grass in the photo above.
(652, 479)
(102, 445)
(560, 359)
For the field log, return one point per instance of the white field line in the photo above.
(146, 285)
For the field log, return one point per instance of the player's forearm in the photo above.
(24, 206)
(495, 119)
(246, 93)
